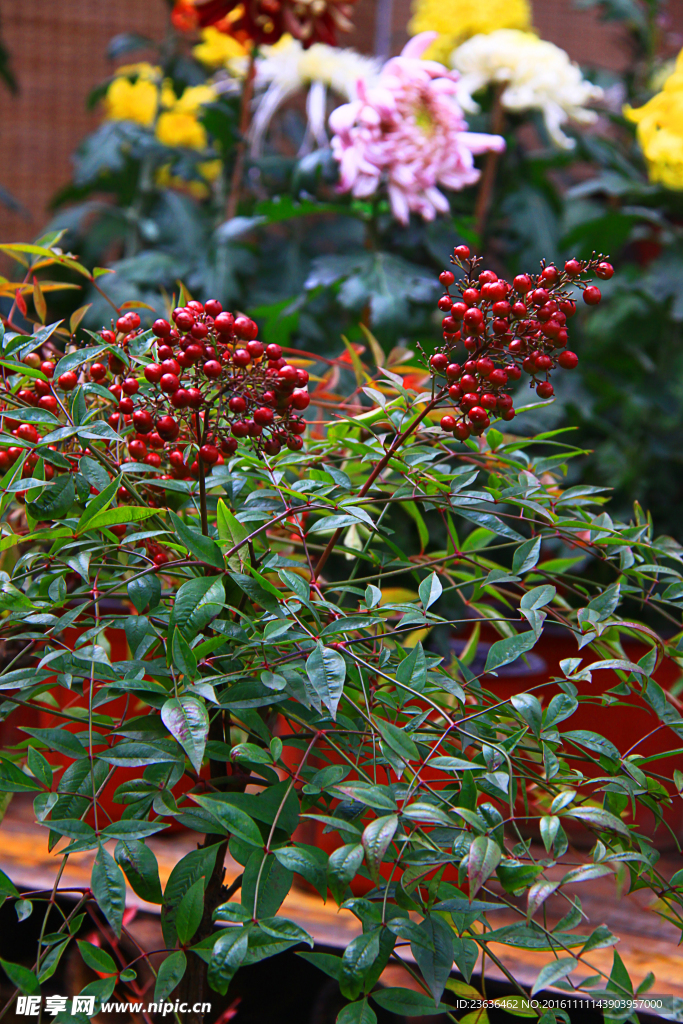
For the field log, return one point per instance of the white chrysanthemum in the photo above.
(287, 68)
(539, 76)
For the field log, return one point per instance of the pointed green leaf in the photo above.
(187, 720)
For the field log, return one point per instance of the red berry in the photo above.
(453, 371)
(154, 441)
(153, 373)
(184, 319)
(287, 374)
(542, 361)
(264, 416)
(489, 400)
(213, 307)
(591, 295)
(295, 444)
(519, 310)
(568, 360)
(300, 400)
(522, 283)
(447, 278)
(108, 337)
(49, 402)
(545, 389)
(48, 368)
(604, 271)
(500, 327)
(138, 449)
(297, 426)
(224, 323)
(164, 352)
(161, 328)
(550, 274)
(195, 306)
(167, 428)
(504, 402)
(229, 445)
(468, 381)
(180, 399)
(142, 421)
(237, 404)
(455, 391)
(240, 428)
(438, 362)
(208, 453)
(241, 357)
(126, 406)
(498, 378)
(572, 268)
(272, 447)
(255, 349)
(213, 369)
(194, 398)
(501, 309)
(245, 328)
(568, 307)
(462, 430)
(169, 383)
(447, 423)
(458, 310)
(539, 296)
(471, 295)
(470, 400)
(484, 366)
(461, 252)
(487, 277)
(199, 331)
(473, 319)
(273, 351)
(98, 371)
(253, 429)
(445, 303)
(67, 381)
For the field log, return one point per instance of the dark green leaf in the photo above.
(109, 888)
(171, 973)
(326, 671)
(203, 548)
(141, 869)
(96, 958)
(187, 720)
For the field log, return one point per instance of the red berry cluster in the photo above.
(211, 384)
(506, 330)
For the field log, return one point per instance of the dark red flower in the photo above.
(266, 21)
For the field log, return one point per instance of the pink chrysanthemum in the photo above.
(407, 128)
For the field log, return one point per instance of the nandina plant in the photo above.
(307, 684)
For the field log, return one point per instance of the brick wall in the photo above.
(58, 52)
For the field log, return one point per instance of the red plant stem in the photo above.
(488, 177)
(241, 148)
(381, 465)
(202, 482)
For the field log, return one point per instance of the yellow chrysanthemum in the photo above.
(176, 128)
(660, 130)
(134, 94)
(217, 49)
(180, 126)
(457, 20)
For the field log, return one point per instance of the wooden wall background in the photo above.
(58, 52)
